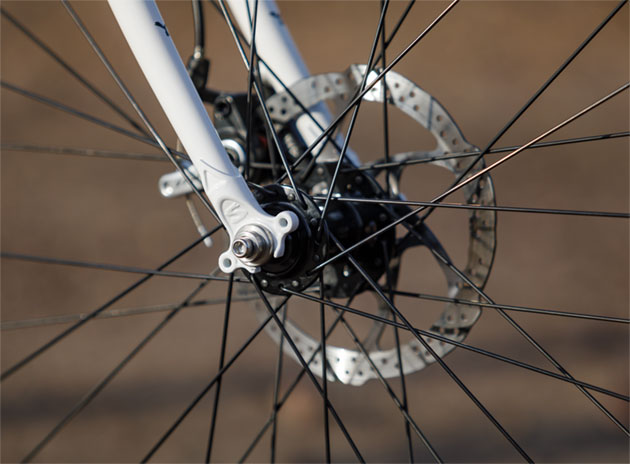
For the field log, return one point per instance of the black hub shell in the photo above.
(304, 247)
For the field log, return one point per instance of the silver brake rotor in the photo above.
(351, 366)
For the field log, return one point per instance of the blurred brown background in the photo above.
(482, 62)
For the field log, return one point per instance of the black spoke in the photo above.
(355, 113)
(217, 391)
(276, 391)
(395, 30)
(11, 370)
(525, 309)
(294, 98)
(75, 112)
(534, 97)
(428, 348)
(108, 101)
(475, 176)
(261, 99)
(93, 153)
(290, 389)
(380, 165)
(310, 374)
(474, 349)
(88, 152)
(322, 327)
(207, 388)
(249, 123)
(390, 282)
(160, 142)
(113, 313)
(384, 107)
(526, 336)
(93, 393)
(469, 206)
(409, 421)
(355, 101)
(114, 267)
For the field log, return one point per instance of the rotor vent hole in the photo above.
(416, 107)
(438, 118)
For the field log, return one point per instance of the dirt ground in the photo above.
(483, 61)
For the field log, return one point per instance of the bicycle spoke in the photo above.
(401, 406)
(534, 97)
(474, 349)
(379, 165)
(473, 177)
(301, 360)
(441, 256)
(87, 152)
(263, 106)
(469, 206)
(123, 312)
(389, 284)
(527, 336)
(331, 127)
(276, 390)
(287, 394)
(114, 267)
(386, 116)
(24, 361)
(108, 101)
(217, 391)
(294, 98)
(75, 112)
(207, 388)
(548, 312)
(93, 393)
(395, 29)
(428, 348)
(249, 123)
(160, 142)
(353, 118)
(322, 327)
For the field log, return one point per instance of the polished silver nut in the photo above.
(253, 244)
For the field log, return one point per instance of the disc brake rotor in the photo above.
(351, 366)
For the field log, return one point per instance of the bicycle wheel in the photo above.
(535, 327)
